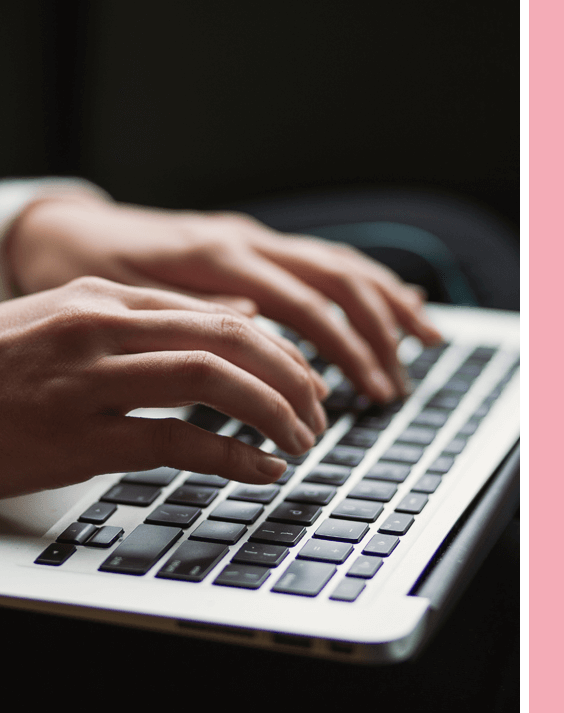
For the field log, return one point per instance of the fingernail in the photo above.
(271, 466)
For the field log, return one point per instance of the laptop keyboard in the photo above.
(292, 536)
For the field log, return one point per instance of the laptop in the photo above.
(356, 554)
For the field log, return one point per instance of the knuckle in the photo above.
(200, 368)
(232, 330)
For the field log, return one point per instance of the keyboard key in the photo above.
(312, 493)
(381, 545)
(237, 511)
(260, 554)
(207, 418)
(329, 474)
(345, 455)
(177, 515)
(325, 551)
(396, 524)
(403, 453)
(196, 495)
(131, 494)
(77, 533)
(362, 510)
(447, 400)
(141, 549)
(373, 490)
(412, 503)
(348, 590)
(385, 470)
(296, 513)
(343, 530)
(249, 435)
(56, 554)
(255, 493)
(98, 513)
(305, 578)
(418, 435)
(365, 567)
(105, 537)
(278, 534)
(427, 483)
(212, 481)
(359, 437)
(242, 575)
(157, 476)
(456, 446)
(442, 465)
(227, 533)
(193, 561)
(432, 417)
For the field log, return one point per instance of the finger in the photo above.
(129, 444)
(168, 379)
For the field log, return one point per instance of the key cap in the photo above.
(105, 537)
(249, 435)
(312, 493)
(427, 483)
(228, 533)
(431, 417)
(381, 545)
(348, 590)
(237, 511)
(386, 470)
(343, 530)
(363, 510)
(98, 513)
(295, 513)
(193, 561)
(359, 437)
(329, 474)
(412, 503)
(77, 533)
(178, 515)
(345, 455)
(212, 481)
(365, 567)
(373, 490)
(196, 495)
(403, 453)
(418, 435)
(442, 465)
(157, 476)
(262, 555)
(397, 524)
(131, 494)
(242, 575)
(141, 549)
(278, 533)
(305, 578)
(207, 418)
(255, 493)
(325, 551)
(56, 554)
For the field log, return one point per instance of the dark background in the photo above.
(200, 104)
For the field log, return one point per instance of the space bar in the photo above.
(141, 549)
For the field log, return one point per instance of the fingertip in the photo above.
(271, 467)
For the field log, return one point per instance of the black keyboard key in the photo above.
(260, 554)
(212, 481)
(105, 537)
(363, 510)
(141, 549)
(255, 493)
(403, 453)
(373, 490)
(98, 513)
(329, 474)
(207, 418)
(325, 551)
(348, 590)
(56, 554)
(470, 427)
(295, 513)
(131, 494)
(196, 495)
(290, 459)
(427, 483)
(386, 470)
(442, 465)
(345, 455)
(359, 437)
(456, 446)
(317, 494)
(276, 533)
(305, 578)
(227, 533)
(249, 435)
(77, 533)
(412, 503)
(445, 400)
(177, 515)
(396, 524)
(342, 530)
(431, 417)
(157, 476)
(381, 545)
(193, 561)
(237, 511)
(245, 576)
(418, 435)
(286, 475)
(365, 567)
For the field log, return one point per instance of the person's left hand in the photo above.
(235, 259)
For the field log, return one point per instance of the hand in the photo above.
(292, 279)
(75, 360)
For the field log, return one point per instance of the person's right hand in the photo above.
(75, 360)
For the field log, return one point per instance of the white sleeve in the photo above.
(16, 194)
